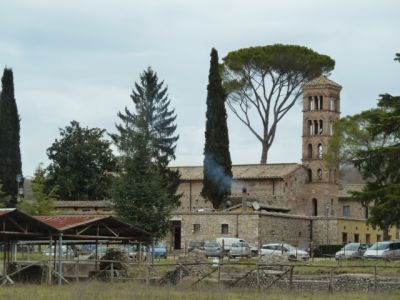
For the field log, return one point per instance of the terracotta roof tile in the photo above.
(322, 80)
(257, 171)
(65, 222)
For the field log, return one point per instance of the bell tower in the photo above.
(321, 109)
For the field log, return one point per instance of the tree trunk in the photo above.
(386, 233)
(264, 153)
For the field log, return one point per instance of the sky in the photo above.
(79, 60)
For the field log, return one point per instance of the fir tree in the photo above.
(139, 195)
(152, 110)
(217, 160)
(10, 155)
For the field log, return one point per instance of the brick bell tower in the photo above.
(321, 109)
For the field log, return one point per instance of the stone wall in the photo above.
(276, 228)
(209, 227)
(325, 230)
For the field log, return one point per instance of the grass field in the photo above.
(122, 291)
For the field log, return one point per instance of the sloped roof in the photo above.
(70, 221)
(345, 189)
(320, 81)
(256, 171)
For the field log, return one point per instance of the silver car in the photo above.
(239, 250)
(351, 251)
(213, 249)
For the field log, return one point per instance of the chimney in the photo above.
(244, 200)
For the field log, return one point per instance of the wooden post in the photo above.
(112, 271)
(60, 258)
(375, 278)
(180, 273)
(331, 280)
(219, 273)
(291, 278)
(147, 276)
(49, 272)
(77, 271)
(258, 277)
(97, 256)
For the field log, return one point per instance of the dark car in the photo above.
(195, 245)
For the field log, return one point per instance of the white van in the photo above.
(386, 249)
(226, 242)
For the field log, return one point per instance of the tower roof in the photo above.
(321, 81)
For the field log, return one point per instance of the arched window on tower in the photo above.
(315, 127)
(310, 103)
(314, 207)
(309, 151)
(310, 127)
(320, 151)
(332, 104)
(331, 127)
(321, 127)
(316, 103)
(321, 101)
(309, 175)
(319, 173)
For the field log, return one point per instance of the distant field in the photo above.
(122, 291)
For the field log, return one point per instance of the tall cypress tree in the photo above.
(10, 155)
(217, 159)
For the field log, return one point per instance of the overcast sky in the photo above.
(78, 60)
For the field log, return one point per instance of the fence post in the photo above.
(331, 280)
(258, 277)
(112, 271)
(147, 275)
(77, 271)
(219, 273)
(180, 273)
(375, 278)
(291, 278)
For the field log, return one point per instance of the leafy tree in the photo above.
(43, 203)
(10, 155)
(217, 160)
(81, 165)
(139, 194)
(157, 123)
(269, 79)
(370, 141)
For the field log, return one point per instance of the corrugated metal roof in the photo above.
(258, 171)
(4, 211)
(65, 222)
(322, 80)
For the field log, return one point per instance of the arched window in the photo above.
(309, 151)
(309, 175)
(316, 102)
(321, 101)
(320, 151)
(310, 127)
(314, 207)
(319, 172)
(332, 103)
(310, 103)
(331, 128)
(332, 210)
(321, 127)
(315, 127)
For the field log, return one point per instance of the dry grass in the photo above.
(121, 291)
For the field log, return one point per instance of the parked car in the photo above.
(253, 250)
(293, 253)
(386, 249)
(241, 249)
(351, 251)
(195, 245)
(160, 251)
(213, 249)
(133, 252)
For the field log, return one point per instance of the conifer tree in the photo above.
(10, 155)
(217, 160)
(151, 127)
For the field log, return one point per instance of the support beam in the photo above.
(60, 258)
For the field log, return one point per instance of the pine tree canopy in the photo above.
(217, 160)
(10, 155)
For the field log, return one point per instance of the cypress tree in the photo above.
(217, 160)
(10, 155)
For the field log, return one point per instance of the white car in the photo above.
(351, 251)
(240, 249)
(387, 249)
(291, 252)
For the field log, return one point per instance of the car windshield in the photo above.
(195, 244)
(212, 244)
(379, 246)
(351, 247)
(289, 247)
(236, 245)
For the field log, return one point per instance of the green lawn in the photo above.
(121, 291)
